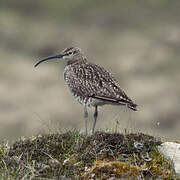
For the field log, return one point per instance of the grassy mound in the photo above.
(72, 155)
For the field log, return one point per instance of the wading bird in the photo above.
(90, 84)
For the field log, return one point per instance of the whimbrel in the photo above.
(90, 84)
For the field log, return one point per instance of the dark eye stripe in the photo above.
(74, 52)
(67, 49)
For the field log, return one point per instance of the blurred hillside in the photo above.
(138, 41)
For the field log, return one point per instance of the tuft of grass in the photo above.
(73, 155)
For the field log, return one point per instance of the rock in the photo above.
(171, 151)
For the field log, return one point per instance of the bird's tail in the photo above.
(132, 106)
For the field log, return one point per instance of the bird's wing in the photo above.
(91, 80)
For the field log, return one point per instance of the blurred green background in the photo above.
(139, 41)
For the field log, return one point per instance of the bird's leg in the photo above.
(95, 118)
(85, 117)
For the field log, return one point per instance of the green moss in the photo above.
(159, 165)
(72, 155)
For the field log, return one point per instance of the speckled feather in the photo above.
(92, 84)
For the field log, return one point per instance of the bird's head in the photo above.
(70, 54)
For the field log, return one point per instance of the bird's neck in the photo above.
(72, 61)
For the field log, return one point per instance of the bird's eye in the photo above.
(70, 52)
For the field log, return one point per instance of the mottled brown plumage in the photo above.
(91, 84)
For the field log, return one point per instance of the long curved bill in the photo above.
(49, 58)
